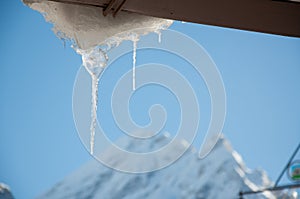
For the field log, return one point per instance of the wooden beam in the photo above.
(97, 3)
(268, 16)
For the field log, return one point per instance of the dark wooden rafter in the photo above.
(280, 17)
(113, 6)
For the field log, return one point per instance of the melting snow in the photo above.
(94, 35)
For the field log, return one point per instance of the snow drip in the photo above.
(94, 35)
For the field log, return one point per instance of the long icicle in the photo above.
(95, 81)
(94, 61)
(134, 63)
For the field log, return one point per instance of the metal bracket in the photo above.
(113, 6)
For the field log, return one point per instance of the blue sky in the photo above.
(39, 144)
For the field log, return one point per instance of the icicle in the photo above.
(159, 36)
(134, 62)
(95, 81)
(94, 62)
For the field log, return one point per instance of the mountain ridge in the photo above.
(220, 175)
(5, 192)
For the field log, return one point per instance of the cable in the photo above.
(287, 165)
(276, 187)
(291, 186)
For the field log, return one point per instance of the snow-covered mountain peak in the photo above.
(220, 175)
(5, 192)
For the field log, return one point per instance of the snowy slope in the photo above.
(221, 175)
(5, 192)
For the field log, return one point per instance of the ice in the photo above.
(134, 63)
(94, 61)
(94, 35)
(87, 26)
(94, 111)
(159, 37)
